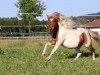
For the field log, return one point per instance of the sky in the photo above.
(66, 7)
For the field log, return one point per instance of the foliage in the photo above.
(15, 27)
(81, 20)
(24, 58)
(9, 21)
(34, 7)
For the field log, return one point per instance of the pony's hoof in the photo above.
(93, 58)
(75, 58)
(47, 59)
(43, 54)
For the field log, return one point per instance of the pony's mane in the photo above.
(63, 20)
(55, 15)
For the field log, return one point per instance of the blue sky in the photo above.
(67, 7)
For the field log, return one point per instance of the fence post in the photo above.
(29, 29)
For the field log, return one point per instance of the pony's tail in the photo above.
(95, 36)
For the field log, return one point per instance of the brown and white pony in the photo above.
(53, 26)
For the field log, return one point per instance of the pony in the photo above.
(84, 36)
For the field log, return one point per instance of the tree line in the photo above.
(13, 21)
(81, 20)
(15, 27)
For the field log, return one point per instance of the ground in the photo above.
(23, 57)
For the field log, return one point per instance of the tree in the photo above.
(34, 7)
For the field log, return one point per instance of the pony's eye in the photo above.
(54, 20)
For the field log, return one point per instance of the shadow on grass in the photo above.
(84, 54)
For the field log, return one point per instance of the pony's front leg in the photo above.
(54, 49)
(45, 48)
(51, 42)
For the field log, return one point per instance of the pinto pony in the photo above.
(64, 36)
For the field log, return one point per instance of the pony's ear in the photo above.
(47, 16)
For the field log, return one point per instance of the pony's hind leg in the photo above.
(92, 51)
(79, 53)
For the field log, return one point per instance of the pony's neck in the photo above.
(54, 34)
(63, 27)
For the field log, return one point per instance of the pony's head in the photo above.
(66, 22)
(53, 20)
(53, 23)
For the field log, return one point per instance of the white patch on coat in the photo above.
(51, 19)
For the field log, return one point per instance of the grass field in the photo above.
(24, 58)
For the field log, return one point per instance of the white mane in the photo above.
(67, 21)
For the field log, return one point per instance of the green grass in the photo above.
(24, 58)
